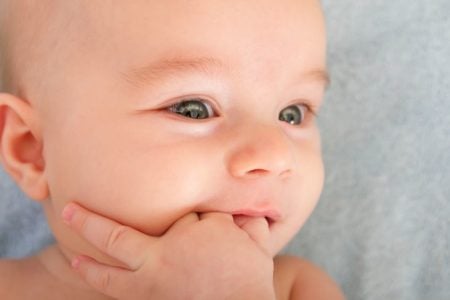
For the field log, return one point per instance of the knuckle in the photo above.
(103, 281)
(115, 237)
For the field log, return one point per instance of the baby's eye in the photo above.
(294, 114)
(193, 108)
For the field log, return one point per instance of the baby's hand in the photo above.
(204, 256)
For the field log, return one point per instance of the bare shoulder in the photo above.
(10, 275)
(20, 278)
(297, 278)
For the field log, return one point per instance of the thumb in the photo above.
(257, 228)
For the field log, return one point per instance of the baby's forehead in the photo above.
(121, 32)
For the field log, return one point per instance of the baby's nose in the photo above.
(261, 151)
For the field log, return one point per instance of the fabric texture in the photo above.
(381, 228)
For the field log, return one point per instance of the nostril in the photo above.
(285, 174)
(256, 173)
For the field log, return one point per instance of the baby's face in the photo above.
(118, 141)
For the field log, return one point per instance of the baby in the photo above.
(172, 145)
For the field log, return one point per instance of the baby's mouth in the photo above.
(240, 219)
(270, 221)
(271, 216)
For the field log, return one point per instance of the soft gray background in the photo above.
(381, 228)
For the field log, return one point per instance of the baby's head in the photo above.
(98, 117)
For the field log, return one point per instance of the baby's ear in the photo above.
(21, 146)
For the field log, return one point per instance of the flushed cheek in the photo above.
(147, 185)
(148, 191)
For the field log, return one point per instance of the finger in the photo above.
(220, 215)
(111, 281)
(184, 221)
(257, 229)
(118, 241)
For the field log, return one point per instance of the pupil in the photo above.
(193, 114)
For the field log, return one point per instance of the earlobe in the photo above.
(21, 146)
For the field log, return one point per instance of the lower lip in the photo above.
(270, 221)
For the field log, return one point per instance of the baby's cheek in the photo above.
(149, 208)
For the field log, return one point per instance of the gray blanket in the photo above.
(382, 227)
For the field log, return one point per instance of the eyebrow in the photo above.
(162, 70)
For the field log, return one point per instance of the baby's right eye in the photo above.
(193, 108)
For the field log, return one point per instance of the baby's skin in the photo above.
(172, 144)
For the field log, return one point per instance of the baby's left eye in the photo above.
(294, 114)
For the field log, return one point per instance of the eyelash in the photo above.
(310, 108)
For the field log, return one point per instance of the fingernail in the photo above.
(68, 213)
